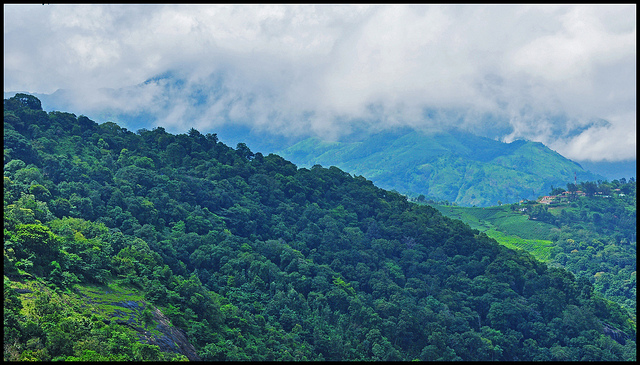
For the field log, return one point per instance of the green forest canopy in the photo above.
(251, 258)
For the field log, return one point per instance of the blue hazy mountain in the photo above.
(450, 165)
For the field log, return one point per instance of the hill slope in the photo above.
(454, 166)
(593, 236)
(251, 258)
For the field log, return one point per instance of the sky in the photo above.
(547, 73)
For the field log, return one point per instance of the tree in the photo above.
(590, 188)
(175, 153)
(556, 191)
(39, 244)
(19, 146)
(61, 207)
(572, 188)
(23, 100)
(244, 151)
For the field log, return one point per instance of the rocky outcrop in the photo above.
(167, 337)
(173, 339)
(614, 333)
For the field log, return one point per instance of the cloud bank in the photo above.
(540, 72)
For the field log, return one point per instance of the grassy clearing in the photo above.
(512, 229)
(113, 301)
(464, 215)
(31, 291)
(108, 301)
(501, 219)
(520, 225)
(109, 293)
(540, 249)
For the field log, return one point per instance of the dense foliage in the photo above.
(597, 235)
(255, 259)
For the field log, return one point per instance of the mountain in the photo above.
(452, 165)
(151, 246)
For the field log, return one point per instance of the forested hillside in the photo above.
(450, 165)
(152, 246)
(590, 229)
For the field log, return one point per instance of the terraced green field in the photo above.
(540, 249)
(512, 229)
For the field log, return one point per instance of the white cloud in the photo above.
(315, 69)
(614, 142)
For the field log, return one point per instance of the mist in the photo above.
(563, 75)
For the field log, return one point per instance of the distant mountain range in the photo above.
(453, 165)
